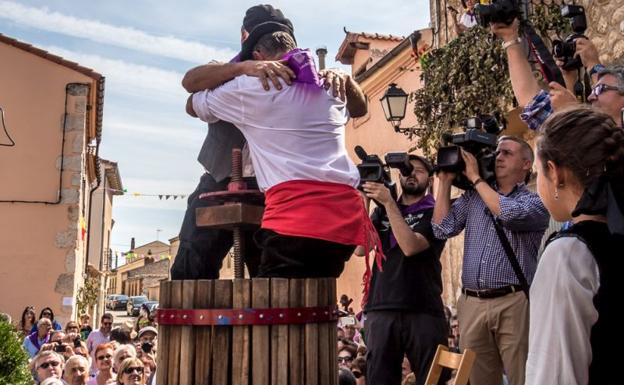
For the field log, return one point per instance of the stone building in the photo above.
(52, 110)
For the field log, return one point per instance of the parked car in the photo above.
(116, 301)
(134, 304)
(151, 306)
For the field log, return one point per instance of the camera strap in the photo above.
(545, 60)
(511, 256)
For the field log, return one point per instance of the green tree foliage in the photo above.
(465, 78)
(13, 358)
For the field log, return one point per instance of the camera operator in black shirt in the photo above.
(404, 312)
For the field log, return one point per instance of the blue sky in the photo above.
(143, 48)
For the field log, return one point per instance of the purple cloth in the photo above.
(426, 203)
(302, 63)
(34, 338)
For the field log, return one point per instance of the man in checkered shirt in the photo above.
(493, 311)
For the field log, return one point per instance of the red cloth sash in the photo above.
(333, 212)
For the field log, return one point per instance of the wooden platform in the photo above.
(261, 354)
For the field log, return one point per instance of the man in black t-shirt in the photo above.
(404, 312)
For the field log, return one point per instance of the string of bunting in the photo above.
(160, 196)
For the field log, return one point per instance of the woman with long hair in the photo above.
(46, 312)
(28, 321)
(576, 293)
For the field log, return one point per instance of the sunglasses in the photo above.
(106, 357)
(46, 313)
(345, 359)
(601, 88)
(356, 373)
(46, 365)
(132, 369)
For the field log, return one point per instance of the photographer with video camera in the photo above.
(404, 310)
(607, 92)
(504, 224)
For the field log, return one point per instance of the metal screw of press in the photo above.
(237, 236)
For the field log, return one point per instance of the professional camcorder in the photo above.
(372, 169)
(480, 139)
(499, 11)
(565, 50)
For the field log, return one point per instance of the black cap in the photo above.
(424, 161)
(260, 20)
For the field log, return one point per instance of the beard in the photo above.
(416, 189)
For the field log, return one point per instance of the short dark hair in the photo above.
(107, 316)
(275, 43)
(425, 162)
(616, 70)
(526, 149)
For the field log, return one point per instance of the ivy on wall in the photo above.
(469, 77)
(88, 294)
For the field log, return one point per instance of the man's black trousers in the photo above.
(201, 251)
(392, 334)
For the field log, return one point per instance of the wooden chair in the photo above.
(462, 362)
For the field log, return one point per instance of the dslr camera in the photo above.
(372, 169)
(480, 139)
(565, 50)
(498, 11)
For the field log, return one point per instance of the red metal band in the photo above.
(247, 316)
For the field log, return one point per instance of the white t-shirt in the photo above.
(562, 314)
(468, 20)
(296, 133)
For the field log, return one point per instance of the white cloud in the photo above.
(129, 78)
(126, 37)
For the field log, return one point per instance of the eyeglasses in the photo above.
(345, 359)
(356, 373)
(600, 88)
(46, 365)
(106, 357)
(46, 313)
(132, 369)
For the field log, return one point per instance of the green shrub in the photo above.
(13, 358)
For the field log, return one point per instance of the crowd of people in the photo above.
(77, 354)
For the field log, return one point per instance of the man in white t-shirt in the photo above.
(99, 336)
(467, 20)
(314, 215)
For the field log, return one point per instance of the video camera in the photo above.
(372, 169)
(499, 11)
(480, 139)
(566, 50)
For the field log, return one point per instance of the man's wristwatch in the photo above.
(509, 43)
(476, 182)
(595, 69)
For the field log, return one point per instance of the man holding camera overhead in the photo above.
(404, 310)
(607, 93)
(493, 311)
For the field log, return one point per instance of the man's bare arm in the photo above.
(524, 84)
(210, 76)
(189, 106)
(356, 100)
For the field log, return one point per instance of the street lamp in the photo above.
(394, 104)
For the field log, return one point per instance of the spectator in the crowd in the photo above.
(121, 335)
(81, 350)
(607, 92)
(576, 294)
(131, 372)
(35, 340)
(28, 321)
(468, 18)
(59, 343)
(52, 381)
(346, 356)
(85, 326)
(47, 364)
(72, 328)
(46, 312)
(98, 337)
(145, 318)
(103, 364)
(406, 368)
(358, 369)
(345, 377)
(121, 353)
(76, 371)
(349, 331)
(148, 339)
(340, 333)
(149, 361)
